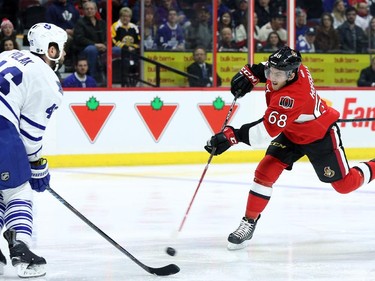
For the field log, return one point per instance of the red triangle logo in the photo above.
(216, 117)
(92, 121)
(156, 121)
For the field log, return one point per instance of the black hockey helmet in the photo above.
(285, 59)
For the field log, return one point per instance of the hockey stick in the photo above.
(160, 271)
(208, 162)
(356, 120)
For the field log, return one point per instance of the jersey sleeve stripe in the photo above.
(27, 135)
(9, 107)
(32, 123)
(35, 153)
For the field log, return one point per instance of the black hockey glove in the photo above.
(222, 141)
(39, 175)
(245, 80)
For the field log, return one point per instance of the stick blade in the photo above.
(169, 269)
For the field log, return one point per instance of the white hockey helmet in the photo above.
(42, 34)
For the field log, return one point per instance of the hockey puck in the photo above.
(170, 251)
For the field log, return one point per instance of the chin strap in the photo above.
(55, 60)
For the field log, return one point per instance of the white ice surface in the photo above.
(307, 232)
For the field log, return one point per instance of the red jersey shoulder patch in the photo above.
(286, 102)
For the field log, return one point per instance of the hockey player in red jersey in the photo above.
(297, 122)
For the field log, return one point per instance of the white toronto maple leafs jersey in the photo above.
(30, 92)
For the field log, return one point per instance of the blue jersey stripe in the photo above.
(27, 135)
(32, 123)
(34, 153)
(9, 107)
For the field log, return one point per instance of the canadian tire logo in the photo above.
(216, 113)
(92, 116)
(156, 116)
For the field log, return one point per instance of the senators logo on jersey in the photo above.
(286, 102)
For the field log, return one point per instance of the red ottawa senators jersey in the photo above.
(298, 111)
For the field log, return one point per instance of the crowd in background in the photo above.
(336, 26)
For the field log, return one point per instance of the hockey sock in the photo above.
(353, 180)
(257, 200)
(267, 172)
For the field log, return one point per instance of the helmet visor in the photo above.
(275, 74)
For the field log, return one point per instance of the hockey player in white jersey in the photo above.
(30, 92)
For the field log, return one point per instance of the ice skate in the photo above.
(239, 238)
(26, 262)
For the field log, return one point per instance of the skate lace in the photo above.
(244, 230)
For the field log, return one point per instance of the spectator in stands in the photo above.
(313, 9)
(7, 44)
(149, 5)
(371, 36)
(225, 20)
(306, 44)
(240, 15)
(170, 35)
(273, 43)
(240, 35)
(262, 8)
(338, 13)
(79, 7)
(126, 40)
(7, 30)
(80, 78)
(150, 30)
(10, 9)
(363, 15)
(202, 69)
(327, 38)
(125, 34)
(63, 14)
(367, 75)
(163, 12)
(199, 33)
(301, 23)
(352, 38)
(90, 38)
(276, 24)
(227, 43)
(239, 31)
(329, 4)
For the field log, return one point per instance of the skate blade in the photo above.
(26, 271)
(234, 247)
